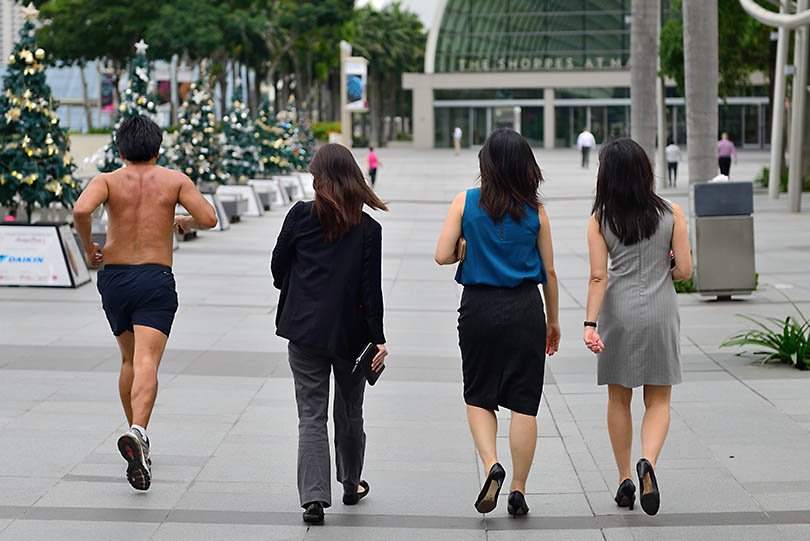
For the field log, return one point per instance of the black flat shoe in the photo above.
(313, 513)
(626, 495)
(650, 498)
(517, 506)
(352, 499)
(488, 497)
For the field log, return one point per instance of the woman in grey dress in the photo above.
(637, 341)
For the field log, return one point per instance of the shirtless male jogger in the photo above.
(136, 284)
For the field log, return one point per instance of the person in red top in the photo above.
(372, 162)
(725, 151)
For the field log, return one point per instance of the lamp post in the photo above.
(785, 21)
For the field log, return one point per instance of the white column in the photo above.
(660, 154)
(549, 127)
(423, 117)
(797, 114)
(778, 113)
(345, 114)
(516, 119)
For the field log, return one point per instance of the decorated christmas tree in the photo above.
(196, 149)
(137, 100)
(35, 168)
(306, 139)
(240, 152)
(269, 137)
(291, 147)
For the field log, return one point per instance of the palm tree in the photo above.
(644, 72)
(701, 66)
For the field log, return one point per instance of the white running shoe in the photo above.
(135, 451)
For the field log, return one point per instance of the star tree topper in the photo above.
(30, 12)
(141, 47)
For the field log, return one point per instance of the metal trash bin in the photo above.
(722, 233)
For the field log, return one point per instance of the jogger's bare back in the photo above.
(140, 206)
(140, 200)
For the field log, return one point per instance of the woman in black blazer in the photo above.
(327, 264)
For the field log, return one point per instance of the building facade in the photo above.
(11, 20)
(546, 68)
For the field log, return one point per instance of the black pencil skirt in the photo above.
(502, 336)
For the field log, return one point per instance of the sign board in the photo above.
(40, 255)
(356, 79)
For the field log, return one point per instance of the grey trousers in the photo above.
(311, 370)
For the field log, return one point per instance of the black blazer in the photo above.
(331, 292)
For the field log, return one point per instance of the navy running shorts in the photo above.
(138, 295)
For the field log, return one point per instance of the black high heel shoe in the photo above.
(626, 495)
(517, 504)
(488, 497)
(650, 498)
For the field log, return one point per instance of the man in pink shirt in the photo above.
(725, 151)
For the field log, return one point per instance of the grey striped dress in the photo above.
(639, 321)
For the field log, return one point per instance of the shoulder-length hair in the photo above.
(625, 200)
(340, 190)
(510, 176)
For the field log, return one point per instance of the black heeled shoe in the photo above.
(353, 498)
(626, 495)
(650, 498)
(488, 497)
(517, 506)
(313, 513)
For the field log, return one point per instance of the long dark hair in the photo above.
(340, 190)
(625, 200)
(510, 175)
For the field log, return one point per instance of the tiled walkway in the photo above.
(224, 431)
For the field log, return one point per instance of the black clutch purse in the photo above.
(363, 363)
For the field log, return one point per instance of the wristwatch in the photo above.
(590, 324)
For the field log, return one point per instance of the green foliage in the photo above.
(82, 30)
(321, 130)
(685, 286)
(763, 180)
(137, 100)
(241, 155)
(196, 150)
(743, 48)
(188, 27)
(35, 168)
(783, 340)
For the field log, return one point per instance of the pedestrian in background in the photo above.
(504, 333)
(372, 162)
(725, 151)
(638, 341)
(324, 243)
(585, 142)
(673, 153)
(457, 134)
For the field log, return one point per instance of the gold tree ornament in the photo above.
(40, 54)
(12, 59)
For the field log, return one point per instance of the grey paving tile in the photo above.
(795, 532)
(404, 534)
(36, 530)
(567, 535)
(113, 494)
(227, 532)
(709, 533)
(24, 491)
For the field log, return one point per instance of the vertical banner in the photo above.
(107, 100)
(356, 79)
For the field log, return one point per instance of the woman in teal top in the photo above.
(504, 332)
